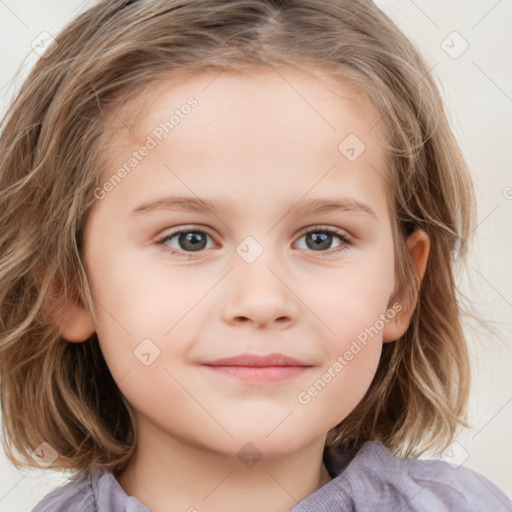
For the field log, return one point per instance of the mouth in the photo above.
(254, 368)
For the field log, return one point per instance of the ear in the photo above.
(73, 320)
(418, 244)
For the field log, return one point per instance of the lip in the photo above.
(255, 360)
(258, 369)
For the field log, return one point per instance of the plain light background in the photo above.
(477, 85)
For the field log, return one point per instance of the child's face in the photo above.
(260, 143)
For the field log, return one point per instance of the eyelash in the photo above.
(345, 240)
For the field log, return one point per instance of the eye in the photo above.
(185, 241)
(320, 239)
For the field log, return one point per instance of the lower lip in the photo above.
(260, 373)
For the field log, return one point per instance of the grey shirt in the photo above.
(370, 479)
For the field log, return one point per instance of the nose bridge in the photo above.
(257, 291)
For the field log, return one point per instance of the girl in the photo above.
(229, 232)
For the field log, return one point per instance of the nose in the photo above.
(258, 295)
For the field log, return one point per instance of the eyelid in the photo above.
(325, 227)
(185, 228)
(318, 227)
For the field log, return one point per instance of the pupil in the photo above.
(320, 240)
(192, 241)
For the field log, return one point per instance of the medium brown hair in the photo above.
(63, 393)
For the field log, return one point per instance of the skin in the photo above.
(263, 145)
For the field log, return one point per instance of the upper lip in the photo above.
(257, 361)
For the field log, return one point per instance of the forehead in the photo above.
(268, 99)
(283, 126)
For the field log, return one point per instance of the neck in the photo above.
(168, 474)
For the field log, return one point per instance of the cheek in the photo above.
(353, 306)
(352, 301)
(340, 386)
(138, 293)
(131, 307)
(351, 357)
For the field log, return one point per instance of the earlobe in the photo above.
(74, 321)
(418, 244)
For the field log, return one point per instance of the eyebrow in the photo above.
(203, 205)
